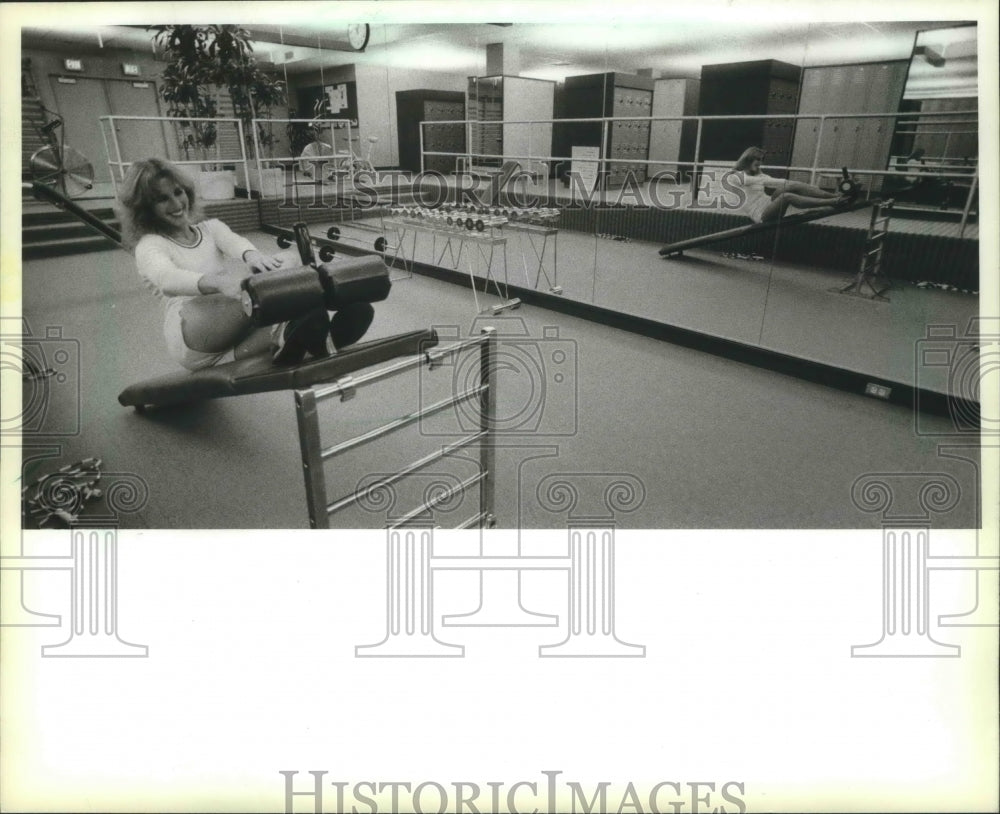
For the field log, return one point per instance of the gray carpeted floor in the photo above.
(711, 443)
(776, 305)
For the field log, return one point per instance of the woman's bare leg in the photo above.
(798, 188)
(779, 203)
(213, 323)
(260, 341)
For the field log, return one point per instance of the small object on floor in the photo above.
(944, 287)
(32, 372)
(61, 496)
(847, 186)
(743, 255)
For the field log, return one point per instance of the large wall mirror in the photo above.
(937, 144)
(653, 103)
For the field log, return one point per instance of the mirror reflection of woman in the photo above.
(315, 155)
(765, 198)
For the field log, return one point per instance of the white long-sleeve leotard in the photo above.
(755, 195)
(172, 271)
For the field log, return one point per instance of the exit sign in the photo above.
(129, 69)
(72, 65)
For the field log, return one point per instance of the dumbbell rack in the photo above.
(537, 237)
(486, 243)
(871, 257)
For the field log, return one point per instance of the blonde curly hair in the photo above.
(750, 154)
(138, 195)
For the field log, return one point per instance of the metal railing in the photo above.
(332, 125)
(118, 165)
(315, 456)
(698, 163)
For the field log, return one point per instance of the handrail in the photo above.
(341, 124)
(597, 119)
(907, 120)
(116, 161)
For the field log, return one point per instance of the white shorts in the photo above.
(180, 352)
(755, 210)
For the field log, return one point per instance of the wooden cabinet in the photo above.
(673, 140)
(860, 143)
(609, 95)
(748, 89)
(416, 106)
(510, 120)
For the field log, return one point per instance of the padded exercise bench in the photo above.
(259, 374)
(677, 249)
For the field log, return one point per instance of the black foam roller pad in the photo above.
(279, 296)
(365, 279)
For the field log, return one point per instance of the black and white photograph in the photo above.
(500, 407)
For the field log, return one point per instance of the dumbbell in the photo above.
(847, 185)
(333, 233)
(303, 242)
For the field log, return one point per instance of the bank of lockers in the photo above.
(416, 106)
(618, 95)
(861, 143)
(749, 89)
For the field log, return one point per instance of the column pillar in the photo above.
(409, 599)
(94, 597)
(409, 583)
(503, 59)
(906, 628)
(590, 616)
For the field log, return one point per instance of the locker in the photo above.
(505, 99)
(748, 88)
(862, 88)
(415, 106)
(609, 95)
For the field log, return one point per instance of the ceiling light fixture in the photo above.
(933, 57)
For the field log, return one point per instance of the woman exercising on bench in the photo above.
(181, 257)
(766, 198)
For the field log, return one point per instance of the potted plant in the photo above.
(204, 62)
(253, 92)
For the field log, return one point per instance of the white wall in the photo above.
(527, 100)
(377, 104)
